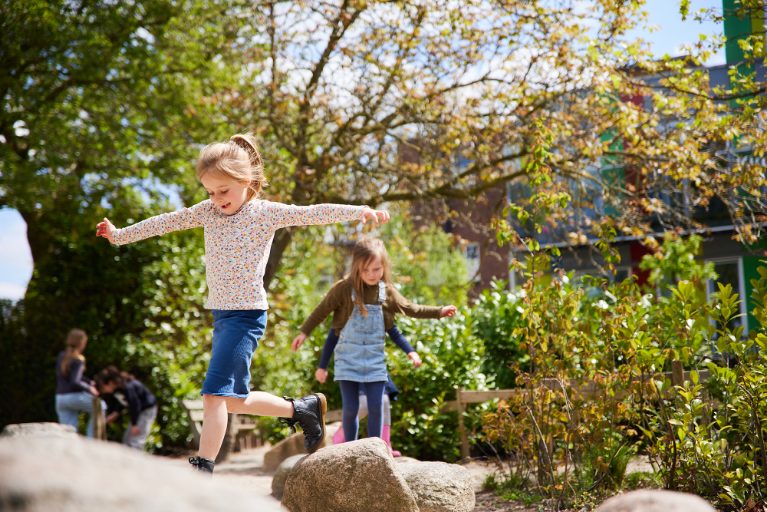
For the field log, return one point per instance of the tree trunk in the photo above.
(282, 239)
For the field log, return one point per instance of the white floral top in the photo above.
(237, 246)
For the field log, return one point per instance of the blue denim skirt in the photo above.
(235, 339)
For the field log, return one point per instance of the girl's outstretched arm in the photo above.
(290, 215)
(185, 218)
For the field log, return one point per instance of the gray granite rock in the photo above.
(53, 474)
(39, 429)
(281, 476)
(655, 501)
(439, 486)
(360, 475)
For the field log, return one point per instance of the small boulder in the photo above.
(655, 501)
(439, 486)
(348, 477)
(281, 476)
(39, 429)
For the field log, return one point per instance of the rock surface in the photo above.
(655, 501)
(281, 476)
(50, 474)
(439, 486)
(39, 429)
(294, 445)
(349, 477)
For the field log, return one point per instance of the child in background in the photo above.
(133, 395)
(74, 393)
(239, 229)
(390, 390)
(364, 305)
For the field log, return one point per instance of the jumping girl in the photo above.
(364, 305)
(239, 229)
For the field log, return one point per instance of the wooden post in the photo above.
(461, 426)
(677, 373)
(99, 422)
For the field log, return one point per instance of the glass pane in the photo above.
(728, 274)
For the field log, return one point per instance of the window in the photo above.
(472, 254)
(730, 271)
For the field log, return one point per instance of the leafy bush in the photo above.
(452, 357)
(719, 451)
(495, 317)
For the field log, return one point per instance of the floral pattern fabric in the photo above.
(237, 246)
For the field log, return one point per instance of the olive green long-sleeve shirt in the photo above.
(339, 302)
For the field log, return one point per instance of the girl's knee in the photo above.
(212, 401)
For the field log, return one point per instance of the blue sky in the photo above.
(671, 35)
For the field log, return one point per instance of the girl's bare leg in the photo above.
(260, 403)
(214, 418)
(214, 422)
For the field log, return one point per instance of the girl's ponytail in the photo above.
(75, 339)
(365, 250)
(239, 161)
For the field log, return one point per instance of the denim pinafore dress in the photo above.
(359, 355)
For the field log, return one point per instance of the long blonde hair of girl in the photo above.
(365, 251)
(238, 160)
(75, 339)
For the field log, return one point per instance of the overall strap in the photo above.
(381, 292)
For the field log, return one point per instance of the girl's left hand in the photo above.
(448, 311)
(415, 358)
(134, 430)
(374, 215)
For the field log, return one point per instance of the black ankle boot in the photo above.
(310, 416)
(204, 465)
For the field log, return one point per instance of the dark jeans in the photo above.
(350, 392)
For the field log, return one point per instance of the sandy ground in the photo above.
(244, 470)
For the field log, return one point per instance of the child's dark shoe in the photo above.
(203, 465)
(309, 414)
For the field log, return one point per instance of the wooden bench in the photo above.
(241, 429)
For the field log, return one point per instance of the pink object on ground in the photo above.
(338, 437)
(386, 435)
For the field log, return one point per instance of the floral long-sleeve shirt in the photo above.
(237, 246)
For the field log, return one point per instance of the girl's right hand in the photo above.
(321, 375)
(298, 341)
(106, 229)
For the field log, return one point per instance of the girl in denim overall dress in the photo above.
(364, 305)
(239, 229)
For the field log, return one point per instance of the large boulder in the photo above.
(655, 501)
(43, 473)
(294, 445)
(348, 477)
(439, 486)
(281, 476)
(40, 429)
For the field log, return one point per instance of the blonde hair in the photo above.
(238, 160)
(365, 251)
(75, 339)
